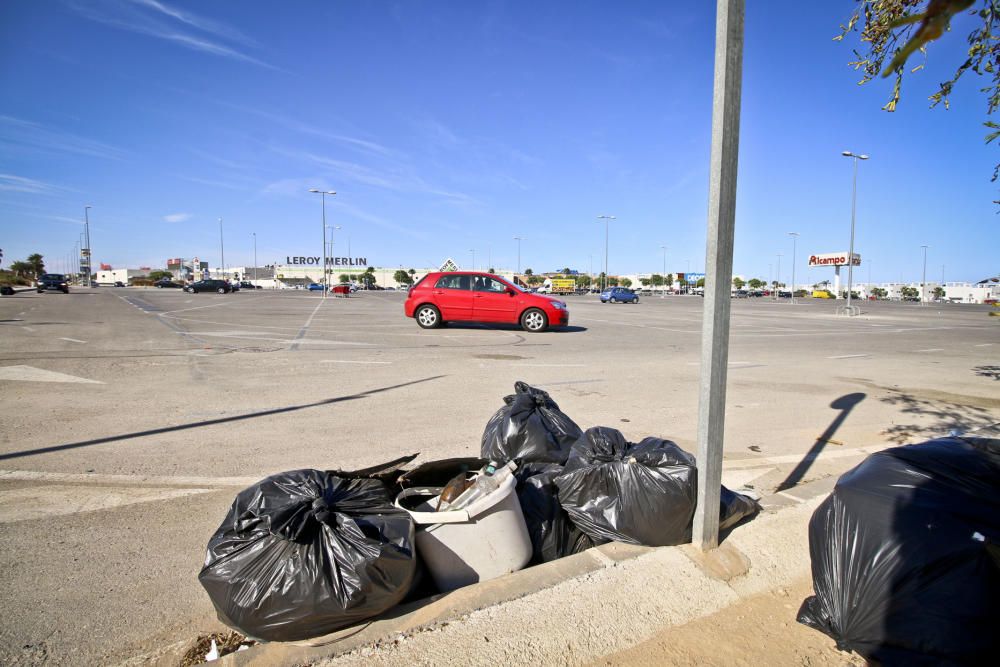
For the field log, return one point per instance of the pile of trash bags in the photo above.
(307, 552)
(906, 555)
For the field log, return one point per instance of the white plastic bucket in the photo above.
(485, 540)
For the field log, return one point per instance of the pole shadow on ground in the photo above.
(845, 404)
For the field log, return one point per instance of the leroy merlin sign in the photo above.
(330, 261)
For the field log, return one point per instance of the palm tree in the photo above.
(528, 272)
(37, 264)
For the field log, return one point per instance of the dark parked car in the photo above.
(220, 286)
(619, 295)
(246, 284)
(480, 297)
(119, 283)
(53, 282)
(167, 283)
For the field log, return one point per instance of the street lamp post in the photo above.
(850, 252)
(607, 219)
(777, 280)
(923, 279)
(795, 236)
(222, 251)
(473, 251)
(90, 255)
(518, 239)
(323, 194)
(254, 259)
(663, 278)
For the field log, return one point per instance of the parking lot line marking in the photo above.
(73, 340)
(849, 356)
(348, 361)
(27, 328)
(551, 365)
(32, 374)
(305, 327)
(733, 464)
(983, 345)
(932, 349)
(141, 480)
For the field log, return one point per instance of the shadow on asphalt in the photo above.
(210, 422)
(845, 404)
(510, 327)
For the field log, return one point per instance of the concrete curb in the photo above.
(766, 553)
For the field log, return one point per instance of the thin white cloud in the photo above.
(146, 17)
(12, 183)
(22, 134)
(177, 217)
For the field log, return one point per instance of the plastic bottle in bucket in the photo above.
(486, 482)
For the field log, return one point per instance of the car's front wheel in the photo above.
(534, 320)
(427, 317)
(635, 300)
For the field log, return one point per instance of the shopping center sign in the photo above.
(833, 259)
(330, 261)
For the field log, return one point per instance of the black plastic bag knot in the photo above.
(321, 511)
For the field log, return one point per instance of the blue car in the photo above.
(619, 295)
(315, 287)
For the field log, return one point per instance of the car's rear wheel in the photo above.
(614, 300)
(534, 320)
(428, 317)
(221, 290)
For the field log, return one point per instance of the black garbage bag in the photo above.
(529, 428)
(553, 534)
(904, 555)
(304, 553)
(640, 493)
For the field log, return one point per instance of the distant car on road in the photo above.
(246, 284)
(166, 282)
(619, 295)
(119, 283)
(53, 282)
(220, 286)
(468, 296)
(315, 287)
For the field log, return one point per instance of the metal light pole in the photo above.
(607, 219)
(850, 252)
(518, 239)
(777, 279)
(254, 258)
(923, 280)
(323, 194)
(222, 251)
(86, 233)
(795, 237)
(663, 278)
(473, 251)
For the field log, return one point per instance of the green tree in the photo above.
(344, 278)
(669, 280)
(739, 283)
(938, 292)
(20, 268)
(491, 270)
(528, 272)
(909, 292)
(755, 283)
(879, 293)
(37, 264)
(402, 277)
(700, 283)
(412, 272)
(160, 275)
(583, 281)
(656, 280)
(368, 277)
(534, 280)
(566, 271)
(624, 282)
(897, 29)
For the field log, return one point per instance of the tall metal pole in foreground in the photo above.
(923, 280)
(473, 251)
(777, 279)
(323, 194)
(90, 255)
(795, 237)
(254, 258)
(663, 278)
(518, 239)
(718, 267)
(850, 252)
(607, 219)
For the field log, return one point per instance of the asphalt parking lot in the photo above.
(132, 416)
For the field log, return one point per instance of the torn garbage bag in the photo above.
(905, 555)
(552, 534)
(640, 493)
(304, 553)
(529, 428)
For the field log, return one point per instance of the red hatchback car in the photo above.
(464, 296)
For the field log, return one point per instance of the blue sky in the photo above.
(450, 126)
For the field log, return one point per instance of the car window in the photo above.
(485, 284)
(453, 282)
